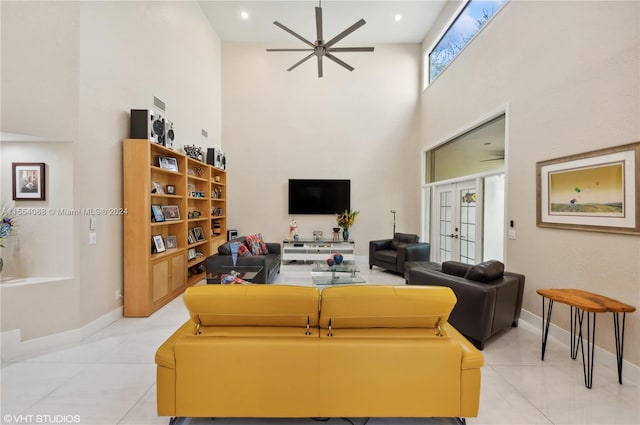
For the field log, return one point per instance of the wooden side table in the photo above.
(581, 301)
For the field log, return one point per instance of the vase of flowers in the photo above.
(345, 220)
(6, 227)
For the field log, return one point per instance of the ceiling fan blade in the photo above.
(293, 33)
(339, 62)
(301, 61)
(319, 66)
(344, 33)
(351, 49)
(289, 50)
(319, 23)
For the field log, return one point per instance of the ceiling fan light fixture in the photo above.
(320, 48)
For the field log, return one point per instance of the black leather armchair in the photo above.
(391, 254)
(489, 298)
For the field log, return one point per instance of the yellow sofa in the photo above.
(293, 351)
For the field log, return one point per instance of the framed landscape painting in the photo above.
(594, 191)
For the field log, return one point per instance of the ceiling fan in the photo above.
(321, 48)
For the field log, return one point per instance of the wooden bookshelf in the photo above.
(152, 279)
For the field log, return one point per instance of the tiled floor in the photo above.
(110, 378)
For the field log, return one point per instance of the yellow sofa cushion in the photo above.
(253, 305)
(360, 307)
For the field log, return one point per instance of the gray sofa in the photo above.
(489, 298)
(270, 262)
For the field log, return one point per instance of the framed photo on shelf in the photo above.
(198, 233)
(191, 237)
(168, 163)
(172, 242)
(593, 191)
(158, 244)
(191, 254)
(157, 188)
(171, 189)
(171, 212)
(28, 181)
(156, 213)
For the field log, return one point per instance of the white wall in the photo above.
(77, 82)
(569, 74)
(356, 125)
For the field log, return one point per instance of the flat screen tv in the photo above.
(319, 196)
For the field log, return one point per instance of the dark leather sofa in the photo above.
(489, 298)
(270, 262)
(391, 254)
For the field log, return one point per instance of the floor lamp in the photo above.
(394, 221)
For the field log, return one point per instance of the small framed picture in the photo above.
(158, 243)
(191, 254)
(171, 189)
(168, 163)
(171, 212)
(198, 232)
(172, 242)
(191, 237)
(157, 188)
(156, 213)
(28, 181)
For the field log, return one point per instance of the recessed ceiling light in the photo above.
(244, 15)
(398, 17)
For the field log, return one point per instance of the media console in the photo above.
(316, 250)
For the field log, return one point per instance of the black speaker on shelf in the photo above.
(216, 158)
(147, 124)
(169, 134)
(211, 155)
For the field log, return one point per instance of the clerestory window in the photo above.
(473, 15)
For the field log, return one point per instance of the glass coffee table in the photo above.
(337, 274)
(242, 272)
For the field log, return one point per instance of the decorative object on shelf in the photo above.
(28, 181)
(193, 151)
(336, 234)
(171, 212)
(194, 214)
(171, 189)
(346, 220)
(172, 242)
(330, 261)
(168, 163)
(157, 188)
(156, 213)
(293, 230)
(158, 244)
(337, 259)
(199, 233)
(317, 235)
(320, 48)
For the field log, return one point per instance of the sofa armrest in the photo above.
(378, 245)
(274, 247)
(416, 252)
(473, 313)
(165, 355)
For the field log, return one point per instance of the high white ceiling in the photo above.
(299, 16)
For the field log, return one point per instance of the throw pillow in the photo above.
(257, 245)
(227, 279)
(485, 272)
(243, 251)
(455, 268)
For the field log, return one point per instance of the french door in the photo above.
(456, 218)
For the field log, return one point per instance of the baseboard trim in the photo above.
(13, 348)
(630, 372)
